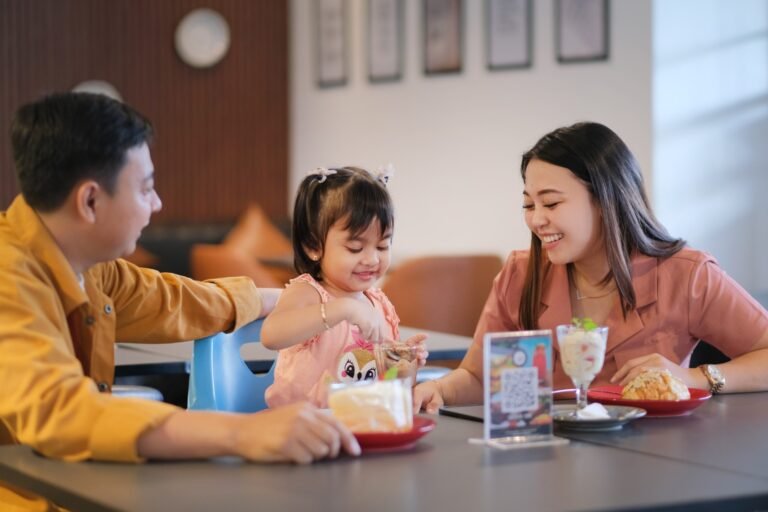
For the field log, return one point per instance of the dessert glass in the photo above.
(582, 353)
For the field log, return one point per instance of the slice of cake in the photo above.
(373, 406)
(656, 384)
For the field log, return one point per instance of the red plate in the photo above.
(385, 441)
(612, 395)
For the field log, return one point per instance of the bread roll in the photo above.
(656, 384)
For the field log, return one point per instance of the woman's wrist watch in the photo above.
(714, 376)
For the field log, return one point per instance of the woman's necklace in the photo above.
(580, 296)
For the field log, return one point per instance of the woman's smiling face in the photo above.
(560, 211)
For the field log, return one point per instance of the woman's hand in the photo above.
(417, 341)
(634, 367)
(428, 396)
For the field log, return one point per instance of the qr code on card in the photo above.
(519, 390)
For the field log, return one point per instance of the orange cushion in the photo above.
(255, 235)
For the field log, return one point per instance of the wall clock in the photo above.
(202, 38)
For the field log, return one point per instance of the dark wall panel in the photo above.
(222, 132)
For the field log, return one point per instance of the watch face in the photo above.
(715, 372)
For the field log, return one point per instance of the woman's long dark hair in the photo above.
(601, 160)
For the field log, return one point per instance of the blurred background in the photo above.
(685, 84)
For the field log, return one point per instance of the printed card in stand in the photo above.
(518, 390)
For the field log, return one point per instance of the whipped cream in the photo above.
(593, 411)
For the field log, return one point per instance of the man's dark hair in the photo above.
(65, 138)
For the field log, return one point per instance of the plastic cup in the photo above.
(396, 355)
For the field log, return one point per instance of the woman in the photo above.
(597, 251)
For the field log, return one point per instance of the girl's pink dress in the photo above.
(303, 371)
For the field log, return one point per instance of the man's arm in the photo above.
(300, 433)
(155, 307)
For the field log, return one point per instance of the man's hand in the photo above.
(299, 433)
(269, 298)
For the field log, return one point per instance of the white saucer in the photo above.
(565, 417)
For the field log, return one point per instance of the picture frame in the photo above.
(443, 36)
(385, 40)
(331, 42)
(582, 30)
(509, 34)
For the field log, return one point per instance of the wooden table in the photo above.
(728, 432)
(649, 464)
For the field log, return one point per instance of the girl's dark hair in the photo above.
(601, 160)
(64, 138)
(351, 194)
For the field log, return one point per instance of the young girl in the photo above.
(598, 251)
(329, 318)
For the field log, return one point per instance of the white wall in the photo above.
(456, 140)
(710, 109)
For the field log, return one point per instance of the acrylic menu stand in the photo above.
(517, 390)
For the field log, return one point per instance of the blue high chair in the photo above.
(220, 380)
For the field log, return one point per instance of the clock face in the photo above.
(202, 38)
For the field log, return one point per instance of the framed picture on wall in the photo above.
(385, 40)
(442, 36)
(331, 42)
(582, 30)
(509, 33)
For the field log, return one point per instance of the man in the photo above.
(87, 191)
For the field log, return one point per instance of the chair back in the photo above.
(219, 378)
(442, 293)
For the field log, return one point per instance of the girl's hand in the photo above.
(417, 341)
(370, 321)
(635, 366)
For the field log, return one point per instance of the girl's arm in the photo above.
(299, 317)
